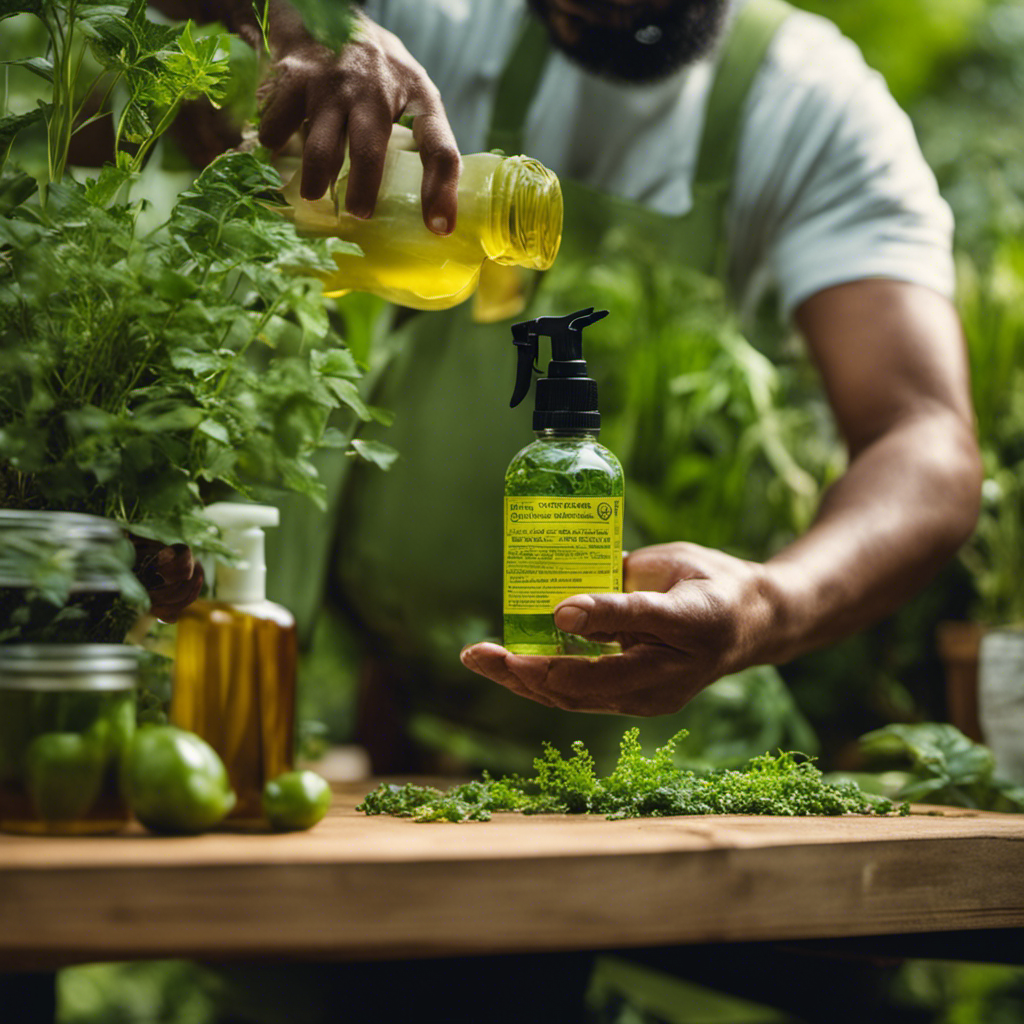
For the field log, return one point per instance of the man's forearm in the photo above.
(904, 506)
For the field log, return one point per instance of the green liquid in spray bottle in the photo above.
(564, 496)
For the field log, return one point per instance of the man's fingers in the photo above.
(283, 114)
(661, 566)
(645, 680)
(442, 166)
(323, 152)
(491, 660)
(640, 614)
(639, 668)
(369, 128)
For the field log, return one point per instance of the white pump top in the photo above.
(241, 527)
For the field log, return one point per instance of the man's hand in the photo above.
(172, 577)
(690, 615)
(355, 97)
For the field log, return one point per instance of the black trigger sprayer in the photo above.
(566, 397)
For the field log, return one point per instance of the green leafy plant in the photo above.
(143, 372)
(639, 787)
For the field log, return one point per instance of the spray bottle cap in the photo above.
(566, 397)
(241, 526)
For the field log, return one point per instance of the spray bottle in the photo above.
(234, 668)
(564, 495)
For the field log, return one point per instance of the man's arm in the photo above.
(892, 359)
(894, 365)
(351, 98)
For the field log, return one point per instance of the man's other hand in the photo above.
(690, 615)
(354, 97)
(171, 575)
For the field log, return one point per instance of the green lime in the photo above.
(64, 772)
(296, 800)
(175, 782)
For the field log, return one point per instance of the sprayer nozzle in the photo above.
(567, 396)
(589, 318)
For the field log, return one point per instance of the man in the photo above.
(829, 201)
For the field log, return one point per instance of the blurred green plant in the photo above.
(154, 992)
(911, 42)
(992, 310)
(973, 136)
(941, 766)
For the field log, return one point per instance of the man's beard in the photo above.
(653, 46)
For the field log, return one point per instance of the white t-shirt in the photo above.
(830, 184)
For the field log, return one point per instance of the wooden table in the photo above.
(359, 888)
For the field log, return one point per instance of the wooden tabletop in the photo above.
(359, 887)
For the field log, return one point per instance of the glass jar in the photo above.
(62, 575)
(67, 715)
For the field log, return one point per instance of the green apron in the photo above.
(418, 549)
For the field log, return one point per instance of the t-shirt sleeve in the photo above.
(831, 183)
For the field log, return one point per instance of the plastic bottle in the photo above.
(234, 666)
(564, 496)
(509, 212)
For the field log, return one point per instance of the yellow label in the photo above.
(557, 547)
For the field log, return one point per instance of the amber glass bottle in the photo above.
(234, 665)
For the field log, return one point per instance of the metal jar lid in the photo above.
(68, 666)
(93, 545)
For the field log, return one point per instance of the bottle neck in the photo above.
(568, 433)
(524, 227)
(245, 582)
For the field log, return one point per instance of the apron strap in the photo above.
(742, 55)
(517, 87)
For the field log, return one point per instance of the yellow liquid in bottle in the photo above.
(509, 211)
(234, 685)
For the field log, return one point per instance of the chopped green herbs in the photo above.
(785, 784)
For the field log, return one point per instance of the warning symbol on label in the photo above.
(604, 510)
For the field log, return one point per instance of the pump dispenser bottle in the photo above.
(564, 495)
(234, 668)
(509, 213)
